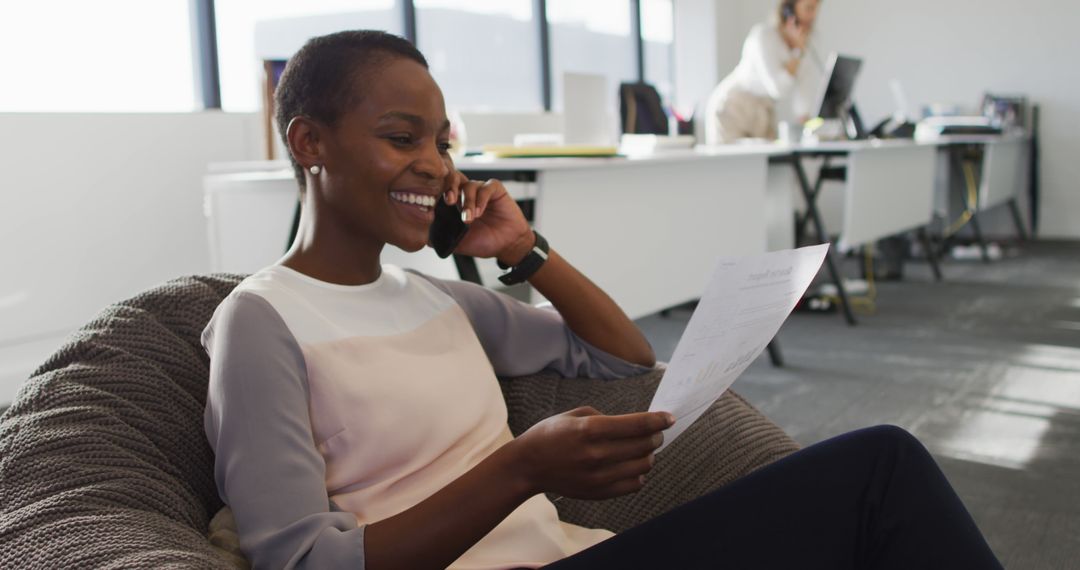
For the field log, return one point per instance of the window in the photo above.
(658, 36)
(485, 54)
(133, 55)
(100, 56)
(591, 36)
(284, 26)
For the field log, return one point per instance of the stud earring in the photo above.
(315, 169)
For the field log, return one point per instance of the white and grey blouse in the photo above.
(331, 407)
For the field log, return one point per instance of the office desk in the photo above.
(1001, 176)
(888, 189)
(648, 230)
(889, 186)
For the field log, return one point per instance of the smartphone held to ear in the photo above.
(788, 13)
(447, 230)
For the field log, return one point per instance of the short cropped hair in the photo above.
(322, 80)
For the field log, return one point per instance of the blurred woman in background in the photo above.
(777, 79)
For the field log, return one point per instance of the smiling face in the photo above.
(386, 158)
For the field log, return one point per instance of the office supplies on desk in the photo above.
(586, 105)
(899, 125)
(647, 144)
(539, 139)
(957, 125)
(900, 99)
(893, 128)
(1006, 111)
(744, 304)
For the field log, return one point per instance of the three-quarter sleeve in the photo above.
(521, 339)
(267, 467)
(768, 56)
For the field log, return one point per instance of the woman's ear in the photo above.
(304, 143)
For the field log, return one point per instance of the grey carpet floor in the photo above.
(984, 368)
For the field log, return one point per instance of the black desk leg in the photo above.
(819, 227)
(800, 221)
(973, 207)
(775, 357)
(800, 228)
(466, 268)
(978, 236)
(1015, 209)
(931, 255)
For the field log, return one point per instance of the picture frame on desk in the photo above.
(272, 70)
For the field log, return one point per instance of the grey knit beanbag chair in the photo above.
(103, 458)
(104, 463)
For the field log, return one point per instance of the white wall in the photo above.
(953, 51)
(97, 207)
(708, 39)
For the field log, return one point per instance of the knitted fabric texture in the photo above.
(728, 441)
(104, 462)
(103, 458)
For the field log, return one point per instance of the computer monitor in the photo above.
(834, 101)
(835, 95)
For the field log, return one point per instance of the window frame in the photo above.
(205, 61)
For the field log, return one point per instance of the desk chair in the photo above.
(641, 110)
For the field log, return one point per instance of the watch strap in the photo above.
(527, 266)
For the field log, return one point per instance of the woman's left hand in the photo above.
(497, 227)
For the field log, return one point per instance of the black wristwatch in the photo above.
(526, 267)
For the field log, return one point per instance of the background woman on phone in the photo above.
(777, 79)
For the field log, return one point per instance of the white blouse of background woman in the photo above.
(761, 72)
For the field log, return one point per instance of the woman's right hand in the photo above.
(797, 35)
(584, 454)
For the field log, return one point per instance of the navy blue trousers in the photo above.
(870, 499)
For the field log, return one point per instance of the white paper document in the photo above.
(744, 304)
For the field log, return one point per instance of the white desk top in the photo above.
(975, 139)
(856, 145)
(281, 168)
(569, 163)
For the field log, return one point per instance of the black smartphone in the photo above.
(447, 230)
(789, 13)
